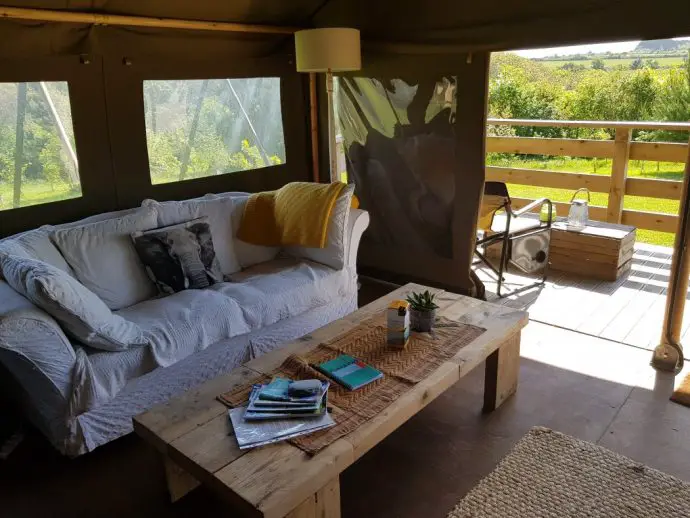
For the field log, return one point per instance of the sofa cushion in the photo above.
(104, 259)
(248, 254)
(179, 257)
(334, 253)
(81, 313)
(96, 218)
(186, 322)
(218, 210)
(36, 244)
(284, 288)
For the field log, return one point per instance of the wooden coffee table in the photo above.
(194, 435)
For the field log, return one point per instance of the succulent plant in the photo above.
(422, 301)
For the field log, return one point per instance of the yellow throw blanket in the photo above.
(297, 214)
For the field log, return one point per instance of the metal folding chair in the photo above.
(497, 199)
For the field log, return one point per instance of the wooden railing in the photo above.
(617, 185)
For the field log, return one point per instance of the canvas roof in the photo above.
(449, 25)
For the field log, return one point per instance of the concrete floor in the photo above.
(585, 386)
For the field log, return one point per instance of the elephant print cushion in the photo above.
(179, 257)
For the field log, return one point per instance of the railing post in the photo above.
(619, 173)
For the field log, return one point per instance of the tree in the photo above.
(513, 95)
(652, 63)
(598, 64)
(637, 64)
(572, 67)
(19, 144)
(674, 102)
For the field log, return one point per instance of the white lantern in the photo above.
(579, 211)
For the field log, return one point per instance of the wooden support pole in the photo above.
(47, 15)
(619, 174)
(668, 355)
(314, 121)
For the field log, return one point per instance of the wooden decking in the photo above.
(628, 311)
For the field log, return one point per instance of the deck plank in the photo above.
(629, 310)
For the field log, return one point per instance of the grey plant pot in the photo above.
(422, 321)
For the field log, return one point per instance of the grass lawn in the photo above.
(661, 170)
(35, 193)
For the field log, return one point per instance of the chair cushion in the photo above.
(284, 288)
(516, 224)
(82, 314)
(334, 253)
(218, 210)
(104, 259)
(179, 257)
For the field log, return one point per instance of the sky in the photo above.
(621, 46)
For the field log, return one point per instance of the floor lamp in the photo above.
(328, 50)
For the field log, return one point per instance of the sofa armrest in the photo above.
(39, 358)
(358, 223)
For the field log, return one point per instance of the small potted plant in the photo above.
(422, 310)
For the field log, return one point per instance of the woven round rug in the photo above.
(550, 474)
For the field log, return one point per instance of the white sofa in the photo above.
(82, 397)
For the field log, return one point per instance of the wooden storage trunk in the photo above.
(599, 251)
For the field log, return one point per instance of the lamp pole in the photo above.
(333, 159)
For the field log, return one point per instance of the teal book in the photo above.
(350, 372)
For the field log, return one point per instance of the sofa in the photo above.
(81, 389)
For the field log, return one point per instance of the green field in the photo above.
(35, 193)
(666, 62)
(659, 170)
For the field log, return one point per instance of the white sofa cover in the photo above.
(81, 398)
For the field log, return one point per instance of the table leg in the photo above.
(325, 503)
(179, 481)
(501, 377)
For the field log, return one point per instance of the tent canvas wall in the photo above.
(416, 42)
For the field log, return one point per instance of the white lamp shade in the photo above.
(334, 49)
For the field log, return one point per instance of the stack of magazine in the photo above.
(280, 410)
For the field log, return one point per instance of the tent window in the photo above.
(201, 128)
(38, 162)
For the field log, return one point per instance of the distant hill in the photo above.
(655, 53)
(661, 45)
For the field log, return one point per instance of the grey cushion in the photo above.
(179, 257)
(82, 314)
(103, 258)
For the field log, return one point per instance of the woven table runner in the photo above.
(402, 369)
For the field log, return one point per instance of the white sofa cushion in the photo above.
(186, 322)
(219, 212)
(36, 244)
(247, 253)
(285, 288)
(335, 252)
(103, 257)
(103, 216)
(82, 313)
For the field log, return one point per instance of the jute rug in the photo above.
(682, 394)
(553, 475)
(402, 369)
